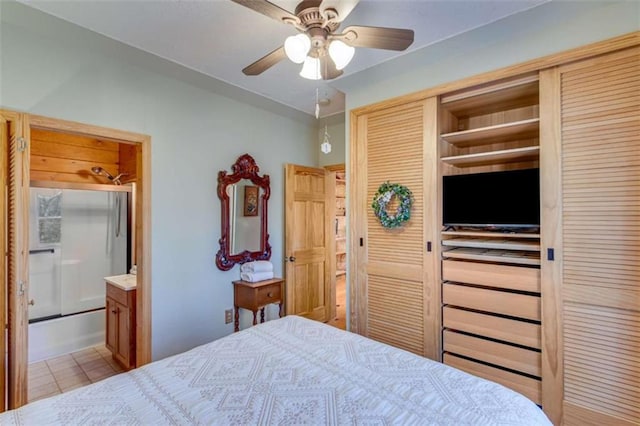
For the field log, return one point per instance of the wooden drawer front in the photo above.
(531, 388)
(269, 294)
(492, 275)
(508, 330)
(514, 358)
(117, 294)
(500, 302)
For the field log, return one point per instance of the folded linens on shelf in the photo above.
(253, 277)
(257, 266)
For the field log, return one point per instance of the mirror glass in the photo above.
(244, 216)
(243, 197)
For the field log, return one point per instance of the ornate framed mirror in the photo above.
(244, 196)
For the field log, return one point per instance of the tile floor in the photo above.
(67, 372)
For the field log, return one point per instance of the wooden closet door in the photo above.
(397, 300)
(15, 169)
(598, 271)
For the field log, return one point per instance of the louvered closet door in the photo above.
(4, 143)
(600, 130)
(397, 297)
(16, 173)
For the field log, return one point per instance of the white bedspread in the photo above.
(289, 371)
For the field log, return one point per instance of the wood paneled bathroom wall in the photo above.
(67, 157)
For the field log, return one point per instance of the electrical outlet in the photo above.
(228, 316)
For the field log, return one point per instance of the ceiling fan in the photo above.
(322, 51)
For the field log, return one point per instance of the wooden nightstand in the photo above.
(255, 296)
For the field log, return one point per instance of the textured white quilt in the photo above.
(290, 371)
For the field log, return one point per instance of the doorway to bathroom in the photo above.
(76, 238)
(62, 178)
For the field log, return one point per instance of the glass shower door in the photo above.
(77, 237)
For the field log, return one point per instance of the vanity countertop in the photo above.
(126, 282)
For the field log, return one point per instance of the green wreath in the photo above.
(381, 199)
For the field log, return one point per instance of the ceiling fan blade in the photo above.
(342, 7)
(377, 37)
(328, 69)
(266, 62)
(269, 9)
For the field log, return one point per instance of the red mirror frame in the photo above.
(245, 167)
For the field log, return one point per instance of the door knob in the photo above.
(32, 302)
(292, 259)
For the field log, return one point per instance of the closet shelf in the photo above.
(529, 153)
(494, 255)
(504, 96)
(490, 234)
(519, 130)
(493, 243)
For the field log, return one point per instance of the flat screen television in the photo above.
(505, 199)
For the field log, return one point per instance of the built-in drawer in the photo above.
(531, 388)
(488, 300)
(117, 294)
(511, 357)
(492, 275)
(505, 329)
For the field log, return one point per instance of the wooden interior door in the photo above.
(16, 169)
(309, 248)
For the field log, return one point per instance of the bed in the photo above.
(287, 371)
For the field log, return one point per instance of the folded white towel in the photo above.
(253, 277)
(257, 266)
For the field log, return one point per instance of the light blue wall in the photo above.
(336, 131)
(198, 127)
(550, 28)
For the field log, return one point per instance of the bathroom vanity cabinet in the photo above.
(121, 320)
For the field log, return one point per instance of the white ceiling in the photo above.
(219, 38)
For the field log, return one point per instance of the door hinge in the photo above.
(22, 144)
(21, 288)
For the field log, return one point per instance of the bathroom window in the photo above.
(50, 218)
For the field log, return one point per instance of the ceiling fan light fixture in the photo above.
(341, 53)
(311, 69)
(296, 47)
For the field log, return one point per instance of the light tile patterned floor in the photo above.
(66, 372)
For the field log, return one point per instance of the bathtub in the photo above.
(59, 336)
